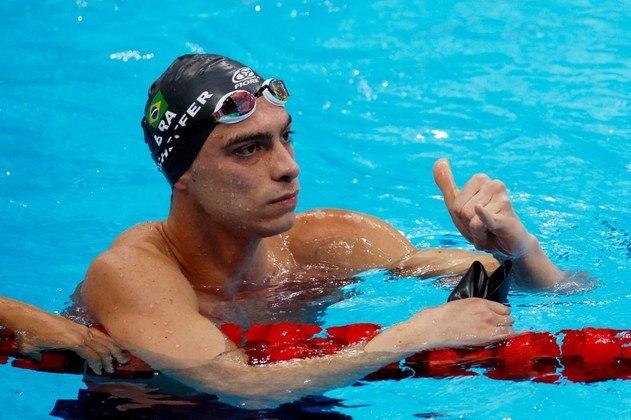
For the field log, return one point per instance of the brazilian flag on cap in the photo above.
(156, 109)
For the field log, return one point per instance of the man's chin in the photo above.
(281, 225)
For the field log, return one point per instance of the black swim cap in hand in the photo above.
(476, 283)
(179, 112)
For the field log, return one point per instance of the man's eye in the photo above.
(247, 150)
(287, 136)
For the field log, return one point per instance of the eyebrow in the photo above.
(245, 137)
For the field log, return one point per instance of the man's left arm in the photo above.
(354, 242)
(483, 214)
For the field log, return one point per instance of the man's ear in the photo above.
(182, 183)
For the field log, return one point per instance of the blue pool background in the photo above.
(535, 94)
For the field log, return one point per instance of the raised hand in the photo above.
(483, 213)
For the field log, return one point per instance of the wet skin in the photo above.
(232, 233)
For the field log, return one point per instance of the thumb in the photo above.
(444, 178)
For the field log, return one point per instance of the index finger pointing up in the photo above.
(444, 178)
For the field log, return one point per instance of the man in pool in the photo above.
(221, 135)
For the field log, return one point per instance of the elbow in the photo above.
(236, 383)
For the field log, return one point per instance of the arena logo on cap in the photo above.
(243, 77)
(156, 110)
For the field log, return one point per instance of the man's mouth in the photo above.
(288, 200)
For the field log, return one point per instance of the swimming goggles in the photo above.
(238, 105)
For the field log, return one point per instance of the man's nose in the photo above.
(283, 165)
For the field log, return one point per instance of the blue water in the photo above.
(533, 93)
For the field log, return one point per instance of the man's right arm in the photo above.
(146, 304)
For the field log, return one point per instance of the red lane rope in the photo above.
(585, 355)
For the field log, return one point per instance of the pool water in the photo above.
(532, 93)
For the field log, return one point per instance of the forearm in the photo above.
(235, 381)
(533, 269)
(437, 261)
(17, 315)
(192, 351)
(459, 323)
(240, 384)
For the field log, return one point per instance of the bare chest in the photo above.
(300, 297)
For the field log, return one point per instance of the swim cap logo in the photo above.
(243, 77)
(156, 110)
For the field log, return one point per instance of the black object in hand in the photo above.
(476, 283)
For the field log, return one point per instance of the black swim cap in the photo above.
(178, 114)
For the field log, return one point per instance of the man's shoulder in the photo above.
(145, 234)
(138, 248)
(325, 216)
(323, 222)
(128, 272)
(345, 238)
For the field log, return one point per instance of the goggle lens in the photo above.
(239, 104)
(234, 107)
(278, 89)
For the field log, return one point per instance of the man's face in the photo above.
(245, 176)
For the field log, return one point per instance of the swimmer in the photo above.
(38, 330)
(222, 137)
